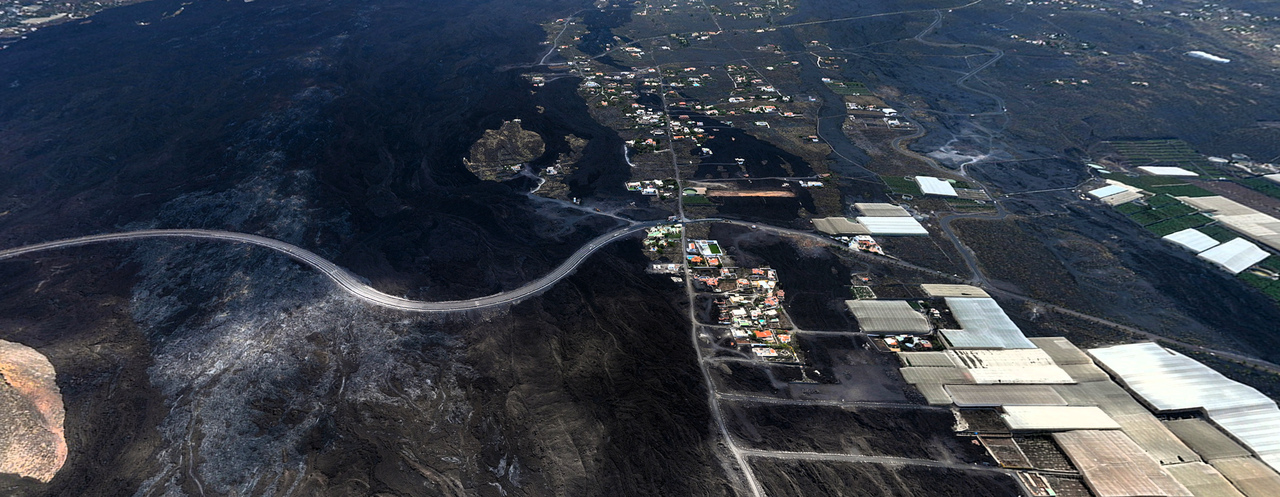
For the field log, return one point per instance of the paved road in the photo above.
(823, 456)
(349, 282)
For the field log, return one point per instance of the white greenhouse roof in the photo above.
(1192, 239)
(1235, 256)
(893, 225)
(880, 210)
(1057, 418)
(887, 316)
(1169, 381)
(930, 185)
(1166, 171)
(1273, 177)
(1015, 366)
(984, 325)
(1107, 191)
(1262, 228)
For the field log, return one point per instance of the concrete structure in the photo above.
(944, 290)
(984, 325)
(1114, 466)
(839, 226)
(881, 210)
(893, 225)
(889, 317)
(1170, 382)
(1166, 171)
(930, 185)
(1234, 256)
(1057, 418)
(1192, 239)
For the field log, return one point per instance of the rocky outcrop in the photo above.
(493, 156)
(31, 415)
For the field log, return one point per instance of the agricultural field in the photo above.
(1163, 184)
(1163, 215)
(1262, 185)
(1267, 285)
(902, 186)
(1158, 152)
(850, 88)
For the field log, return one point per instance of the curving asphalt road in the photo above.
(349, 282)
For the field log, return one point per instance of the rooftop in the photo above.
(888, 316)
(984, 325)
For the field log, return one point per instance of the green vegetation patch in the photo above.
(1175, 225)
(1162, 200)
(852, 88)
(863, 293)
(696, 200)
(901, 185)
(1131, 208)
(1262, 185)
(1219, 233)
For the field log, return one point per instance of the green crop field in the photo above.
(1219, 233)
(901, 185)
(1262, 185)
(852, 88)
(696, 200)
(1177, 224)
